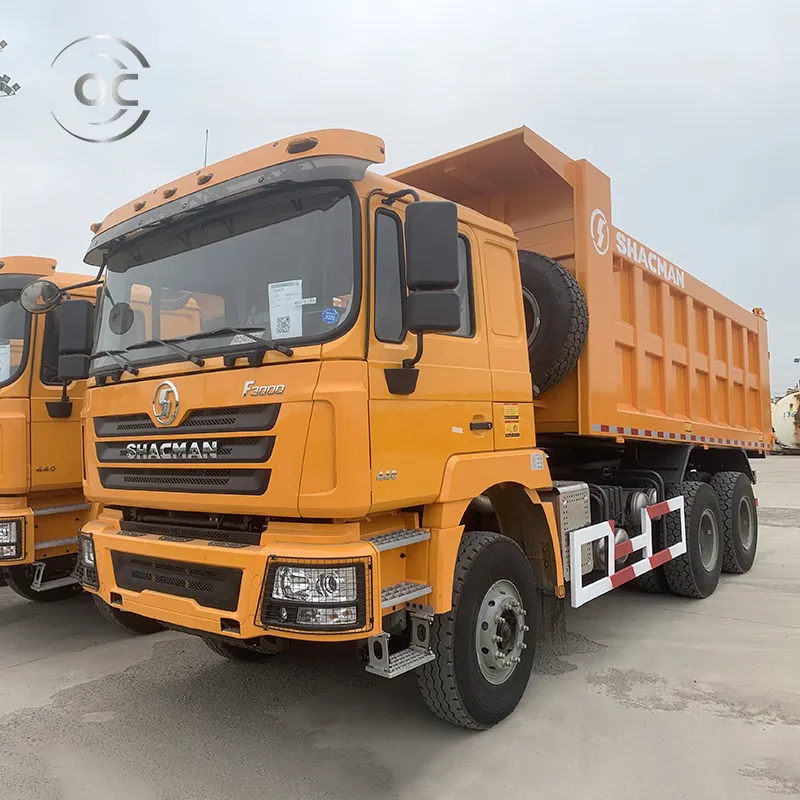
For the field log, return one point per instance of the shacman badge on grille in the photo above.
(171, 451)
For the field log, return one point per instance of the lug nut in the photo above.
(498, 619)
(523, 646)
(498, 655)
(497, 638)
(525, 628)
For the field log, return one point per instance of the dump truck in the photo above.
(421, 413)
(42, 505)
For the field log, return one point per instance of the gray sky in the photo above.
(692, 108)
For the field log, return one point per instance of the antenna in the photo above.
(205, 155)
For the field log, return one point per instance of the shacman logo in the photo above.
(166, 403)
(101, 115)
(598, 225)
(171, 451)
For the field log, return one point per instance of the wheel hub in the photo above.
(708, 539)
(746, 523)
(500, 632)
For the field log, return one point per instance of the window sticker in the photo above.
(5, 360)
(330, 316)
(285, 313)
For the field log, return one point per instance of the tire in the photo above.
(654, 582)
(453, 685)
(133, 623)
(20, 581)
(686, 575)
(556, 318)
(235, 653)
(738, 506)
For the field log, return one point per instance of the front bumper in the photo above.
(206, 588)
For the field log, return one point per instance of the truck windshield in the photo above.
(282, 264)
(14, 328)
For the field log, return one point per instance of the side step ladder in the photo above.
(38, 585)
(390, 666)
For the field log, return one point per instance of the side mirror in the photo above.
(433, 311)
(431, 246)
(76, 331)
(40, 297)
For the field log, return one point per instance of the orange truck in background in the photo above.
(420, 412)
(42, 505)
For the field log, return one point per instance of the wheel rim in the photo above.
(500, 632)
(708, 539)
(533, 315)
(746, 523)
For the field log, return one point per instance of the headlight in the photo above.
(321, 595)
(11, 540)
(346, 615)
(328, 585)
(87, 551)
(9, 532)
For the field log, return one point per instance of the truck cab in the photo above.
(42, 505)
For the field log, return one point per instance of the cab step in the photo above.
(403, 592)
(39, 585)
(399, 663)
(401, 538)
(387, 665)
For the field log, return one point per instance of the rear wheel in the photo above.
(696, 572)
(20, 581)
(234, 652)
(133, 623)
(485, 644)
(739, 520)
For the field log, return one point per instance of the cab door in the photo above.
(450, 411)
(55, 440)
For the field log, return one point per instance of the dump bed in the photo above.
(667, 356)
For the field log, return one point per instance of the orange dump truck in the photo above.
(419, 412)
(42, 505)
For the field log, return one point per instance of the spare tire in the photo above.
(556, 318)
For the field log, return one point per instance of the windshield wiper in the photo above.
(170, 345)
(248, 333)
(120, 360)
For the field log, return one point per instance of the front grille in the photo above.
(232, 419)
(210, 481)
(211, 587)
(238, 450)
(185, 532)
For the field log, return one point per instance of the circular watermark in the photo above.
(97, 79)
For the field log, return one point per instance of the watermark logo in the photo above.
(8, 86)
(97, 88)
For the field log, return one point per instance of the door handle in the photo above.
(480, 425)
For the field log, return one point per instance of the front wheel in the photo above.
(235, 652)
(133, 623)
(485, 644)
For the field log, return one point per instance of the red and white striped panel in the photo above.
(676, 437)
(581, 594)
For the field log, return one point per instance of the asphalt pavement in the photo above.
(649, 696)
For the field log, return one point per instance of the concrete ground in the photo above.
(650, 696)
